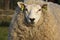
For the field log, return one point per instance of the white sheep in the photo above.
(33, 22)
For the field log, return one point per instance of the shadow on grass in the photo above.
(4, 23)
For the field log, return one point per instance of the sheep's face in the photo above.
(33, 12)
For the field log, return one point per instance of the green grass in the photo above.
(3, 33)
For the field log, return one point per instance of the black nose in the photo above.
(32, 19)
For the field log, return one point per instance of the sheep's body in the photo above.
(47, 30)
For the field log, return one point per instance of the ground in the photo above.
(3, 33)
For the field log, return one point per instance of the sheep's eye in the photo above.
(26, 9)
(39, 10)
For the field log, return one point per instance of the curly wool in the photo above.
(45, 29)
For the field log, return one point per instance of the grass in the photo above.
(3, 33)
(4, 23)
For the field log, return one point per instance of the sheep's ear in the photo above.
(44, 6)
(21, 5)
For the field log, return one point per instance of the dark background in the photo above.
(11, 4)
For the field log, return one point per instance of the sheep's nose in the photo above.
(32, 19)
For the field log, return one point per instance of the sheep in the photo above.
(33, 22)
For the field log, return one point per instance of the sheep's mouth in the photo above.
(31, 22)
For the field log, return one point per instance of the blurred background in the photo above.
(7, 8)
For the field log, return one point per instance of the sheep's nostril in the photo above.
(32, 19)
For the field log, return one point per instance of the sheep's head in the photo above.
(32, 12)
